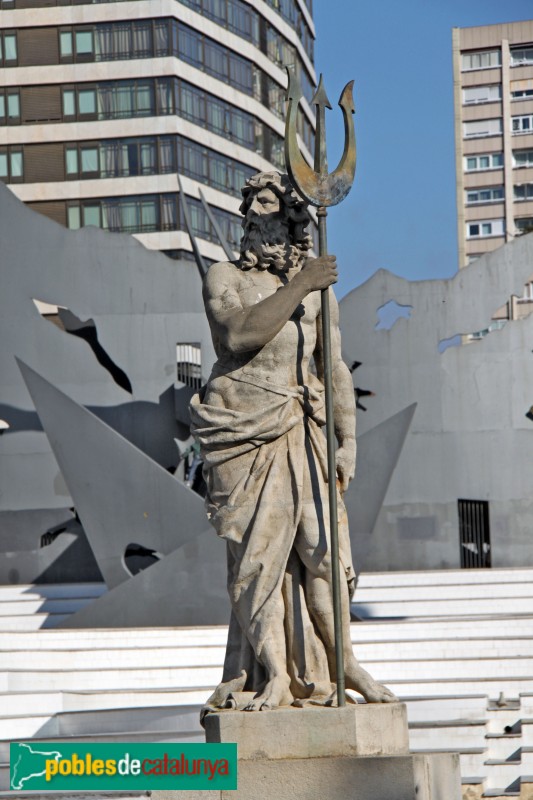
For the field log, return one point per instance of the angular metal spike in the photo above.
(320, 97)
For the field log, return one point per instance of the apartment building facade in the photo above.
(493, 99)
(103, 103)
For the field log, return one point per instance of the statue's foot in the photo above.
(276, 693)
(219, 698)
(360, 681)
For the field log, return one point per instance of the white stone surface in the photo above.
(112, 680)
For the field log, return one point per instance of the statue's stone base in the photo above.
(352, 753)
(313, 732)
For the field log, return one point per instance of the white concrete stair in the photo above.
(31, 607)
(448, 643)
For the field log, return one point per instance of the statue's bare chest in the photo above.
(258, 286)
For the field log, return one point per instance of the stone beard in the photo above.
(259, 424)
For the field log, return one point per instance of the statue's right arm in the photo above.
(241, 329)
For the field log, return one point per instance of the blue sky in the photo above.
(401, 211)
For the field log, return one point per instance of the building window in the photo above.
(73, 217)
(475, 230)
(8, 48)
(65, 44)
(523, 158)
(523, 191)
(161, 96)
(9, 107)
(84, 43)
(86, 102)
(91, 214)
(11, 165)
(232, 14)
(489, 161)
(521, 94)
(222, 118)
(527, 296)
(211, 57)
(522, 124)
(148, 213)
(482, 60)
(89, 160)
(283, 53)
(189, 364)
(71, 161)
(485, 195)
(522, 55)
(76, 45)
(524, 225)
(79, 102)
(482, 94)
(84, 214)
(483, 127)
(129, 40)
(155, 156)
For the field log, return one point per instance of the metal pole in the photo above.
(332, 469)
(323, 189)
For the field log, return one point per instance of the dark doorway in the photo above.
(474, 534)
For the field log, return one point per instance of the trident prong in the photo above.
(323, 189)
(317, 186)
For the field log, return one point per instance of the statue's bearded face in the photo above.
(274, 223)
(266, 240)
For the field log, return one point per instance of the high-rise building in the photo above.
(103, 103)
(493, 97)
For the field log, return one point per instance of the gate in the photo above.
(474, 533)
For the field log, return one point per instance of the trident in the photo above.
(323, 189)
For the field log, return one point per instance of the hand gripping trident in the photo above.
(323, 189)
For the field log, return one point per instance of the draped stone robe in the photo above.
(266, 475)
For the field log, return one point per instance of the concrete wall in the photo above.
(142, 304)
(470, 437)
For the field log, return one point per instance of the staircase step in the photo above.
(31, 680)
(443, 592)
(445, 607)
(184, 719)
(54, 605)
(209, 655)
(31, 623)
(51, 590)
(444, 576)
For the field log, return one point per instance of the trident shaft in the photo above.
(323, 189)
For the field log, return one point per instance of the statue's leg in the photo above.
(313, 546)
(255, 590)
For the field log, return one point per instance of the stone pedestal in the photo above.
(359, 752)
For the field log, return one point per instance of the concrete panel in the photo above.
(121, 495)
(142, 304)
(470, 437)
(378, 451)
(187, 587)
(67, 559)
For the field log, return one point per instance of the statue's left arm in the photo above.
(343, 396)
